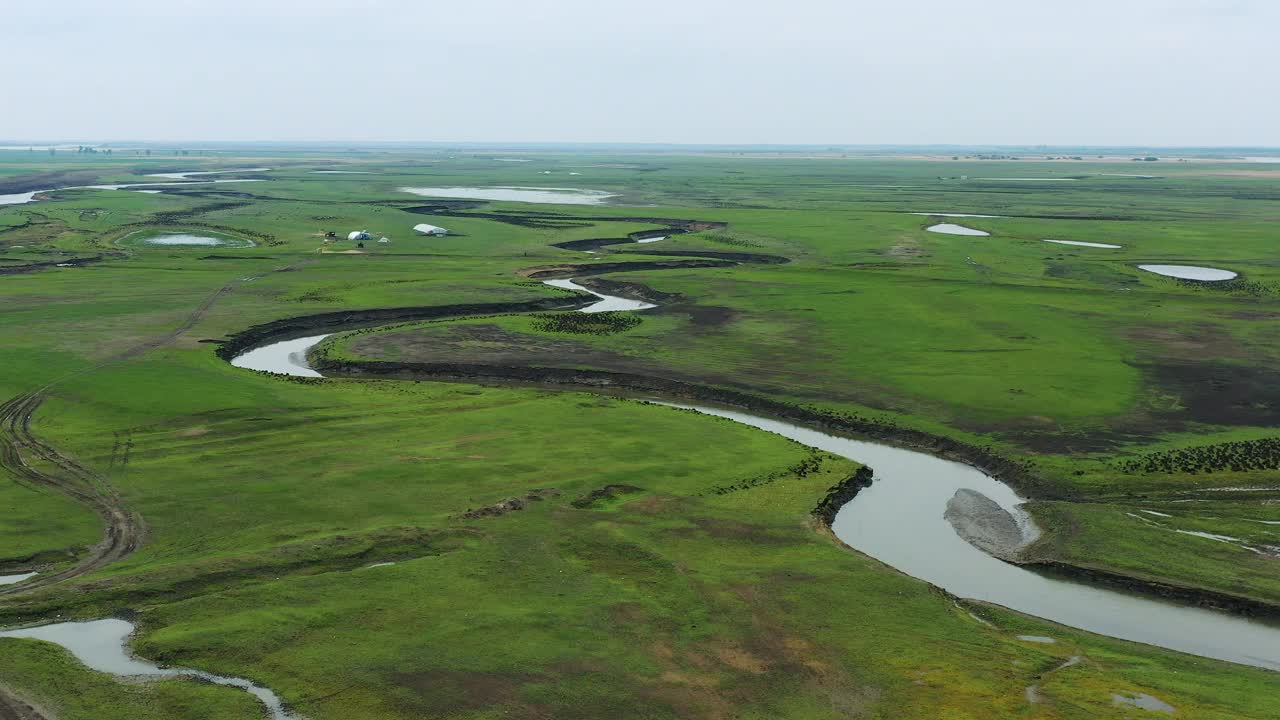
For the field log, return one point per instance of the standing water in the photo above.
(101, 646)
(15, 579)
(953, 229)
(1190, 272)
(608, 303)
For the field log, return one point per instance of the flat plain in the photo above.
(442, 546)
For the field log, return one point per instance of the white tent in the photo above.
(358, 235)
(425, 229)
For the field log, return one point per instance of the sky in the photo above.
(1005, 72)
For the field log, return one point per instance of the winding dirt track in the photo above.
(41, 467)
(12, 708)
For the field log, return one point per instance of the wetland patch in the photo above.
(183, 238)
(541, 195)
(1191, 272)
(1082, 243)
(953, 229)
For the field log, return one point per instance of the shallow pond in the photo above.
(1082, 243)
(543, 195)
(953, 229)
(101, 645)
(1190, 272)
(651, 239)
(1144, 701)
(183, 239)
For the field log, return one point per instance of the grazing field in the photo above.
(431, 547)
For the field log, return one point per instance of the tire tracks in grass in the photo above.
(40, 466)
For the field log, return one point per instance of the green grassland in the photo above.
(269, 501)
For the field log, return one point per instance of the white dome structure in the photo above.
(358, 235)
(425, 229)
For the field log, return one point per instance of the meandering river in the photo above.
(899, 521)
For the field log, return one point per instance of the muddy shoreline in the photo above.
(1212, 600)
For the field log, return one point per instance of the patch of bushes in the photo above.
(727, 239)
(1235, 286)
(1238, 456)
(603, 323)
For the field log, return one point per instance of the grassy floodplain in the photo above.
(631, 584)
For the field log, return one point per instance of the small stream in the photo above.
(102, 645)
(899, 521)
(608, 303)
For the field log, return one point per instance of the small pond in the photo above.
(953, 229)
(182, 238)
(1191, 272)
(544, 195)
(1082, 243)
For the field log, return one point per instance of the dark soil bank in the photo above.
(289, 328)
(842, 493)
(1236, 604)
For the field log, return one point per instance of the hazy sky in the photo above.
(1159, 72)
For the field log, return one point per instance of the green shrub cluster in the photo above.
(1238, 456)
(603, 323)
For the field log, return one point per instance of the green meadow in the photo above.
(430, 549)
